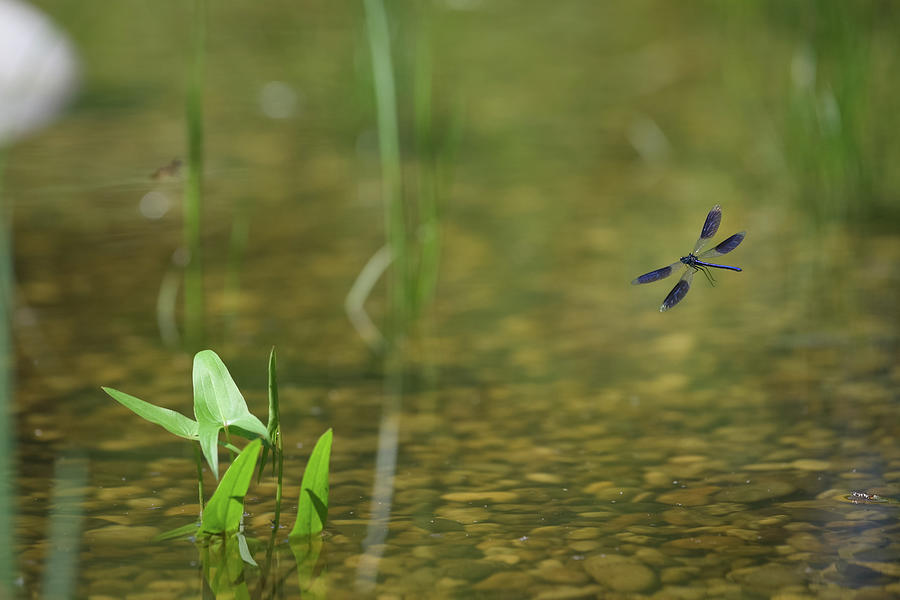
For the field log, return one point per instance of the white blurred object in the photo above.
(278, 100)
(38, 70)
(803, 67)
(648, 140)
(154, 205)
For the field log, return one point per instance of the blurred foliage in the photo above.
(830, 68)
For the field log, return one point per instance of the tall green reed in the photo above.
(427, 171)
(826, 119)
(820, 73)
(411, 255)
(70, 478)
(193, 191)
(410, 176)
(389, 152)
(7, 446)
(838, 117)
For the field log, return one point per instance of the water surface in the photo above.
(556, 436)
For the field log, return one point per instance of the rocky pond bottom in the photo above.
(735, 536)
(605, 498)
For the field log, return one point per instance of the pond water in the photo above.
(544, 432)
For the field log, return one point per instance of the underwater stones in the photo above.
(555, 571)
(704, 542)
(437, 524)
(464, 515)
(671, 575)
(470, 569)
(122, 493)
(685, 517)
(568, 592)
(549, 478)
(485, 496)
(507, 556)
(584, 533)
(119, 535)
(584, 546)
(809, 464)
(651, 556)
(167, 588)
(620, 573)
(507, 581)
(658, 479)
(614, 494)
(806, 542)
(768, 577)
(697, 496)
(145, 503)
(756, 490)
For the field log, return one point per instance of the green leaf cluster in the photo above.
(220, 408)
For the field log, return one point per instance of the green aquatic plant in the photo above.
(220, 408)
(411, 176)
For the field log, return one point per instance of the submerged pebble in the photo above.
(695, 496)
(486, 496)
(756, 490)
(620, 573)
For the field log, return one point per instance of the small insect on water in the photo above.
(694, 262)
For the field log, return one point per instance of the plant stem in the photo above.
(428, 231)
(274, 430)
(193, 193)
(279, 467)
(198, 459)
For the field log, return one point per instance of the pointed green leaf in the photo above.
(172, 421)
(274, 418)
(273, 424)
(223, 511)
(185, 531)
(312, 507)
(218, 404)
(208, 435)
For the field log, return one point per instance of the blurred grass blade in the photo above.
(354, 305)
(312, 507)
(7, 423)
(224, 510)
(389, 151)
(218, 404)
(66, 518)
(166, 301)
(172, 421)
(427, 159)
(193, 191)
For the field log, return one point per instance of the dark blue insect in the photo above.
(694, 262)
